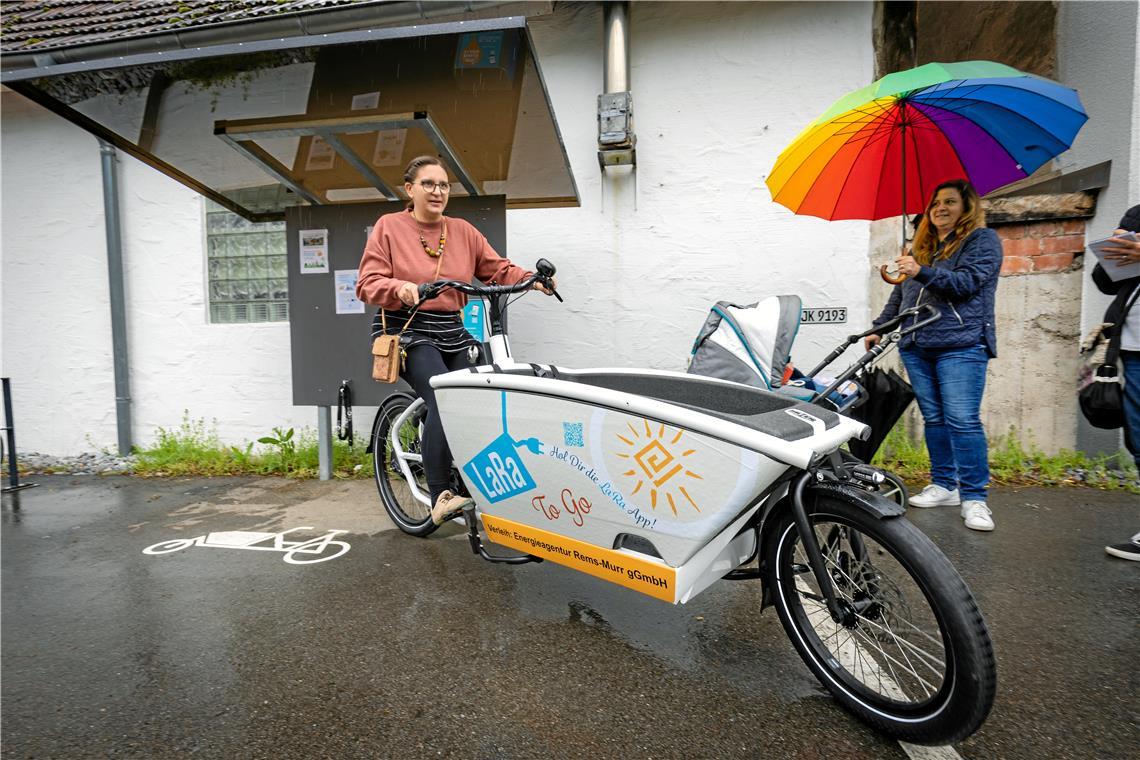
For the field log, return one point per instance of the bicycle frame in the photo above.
(676, 567)
(673, 570)
(664, 482)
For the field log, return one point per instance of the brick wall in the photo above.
(1041, 247)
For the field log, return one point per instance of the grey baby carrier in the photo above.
(748, 344)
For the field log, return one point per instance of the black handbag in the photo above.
(1102, 400)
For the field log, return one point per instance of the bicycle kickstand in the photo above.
(477, 542)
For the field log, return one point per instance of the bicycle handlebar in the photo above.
(544, 275)
(890, 337)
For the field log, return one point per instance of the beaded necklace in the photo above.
(435, 253)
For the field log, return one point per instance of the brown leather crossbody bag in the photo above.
(387, 356)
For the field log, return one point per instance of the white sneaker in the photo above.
(977, 515)
(935, 496)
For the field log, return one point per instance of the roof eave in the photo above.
(47, 62)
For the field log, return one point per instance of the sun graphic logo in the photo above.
(657, 456)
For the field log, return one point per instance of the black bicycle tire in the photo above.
(381, 471)
(963, 703)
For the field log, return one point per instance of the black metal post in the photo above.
(10, 430)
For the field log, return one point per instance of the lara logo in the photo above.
(498, 470)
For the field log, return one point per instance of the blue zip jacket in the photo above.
(962, 287)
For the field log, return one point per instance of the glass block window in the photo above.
(246, 268)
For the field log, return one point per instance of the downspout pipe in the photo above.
(615, 19)
(616, 139)
(118, 295)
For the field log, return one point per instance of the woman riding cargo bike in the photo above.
(415, 246)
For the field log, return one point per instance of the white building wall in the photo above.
(1098, 53)
(56, 321)
(719, 90)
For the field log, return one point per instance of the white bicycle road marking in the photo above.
(306, 551)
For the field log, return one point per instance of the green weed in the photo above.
(194, 449)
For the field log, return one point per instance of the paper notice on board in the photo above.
(344, 280)
(365, 101)
(314, 251)
(321, 155)
(389, 147)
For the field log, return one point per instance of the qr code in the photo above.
(572, 433)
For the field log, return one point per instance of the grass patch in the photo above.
(1011, 463)
(195, 449)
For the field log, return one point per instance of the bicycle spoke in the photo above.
(924, 634)
(928, 659)
(917, 677)
(908, 667)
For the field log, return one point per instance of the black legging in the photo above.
(424, 362)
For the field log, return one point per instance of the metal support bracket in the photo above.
(243, 134)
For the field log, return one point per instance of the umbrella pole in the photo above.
(902, 244)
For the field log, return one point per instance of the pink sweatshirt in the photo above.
(394, 255)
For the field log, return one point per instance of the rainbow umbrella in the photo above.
(880, 151)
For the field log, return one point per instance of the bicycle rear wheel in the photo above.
(912, 657)
(408, 513)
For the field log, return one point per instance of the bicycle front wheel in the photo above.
(894, 489)
(408, 513)
(912, 655)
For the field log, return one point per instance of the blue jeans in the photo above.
(948, 385)
(1131, 362)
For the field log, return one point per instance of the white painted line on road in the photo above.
(919, 752)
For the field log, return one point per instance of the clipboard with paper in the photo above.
(1113, 268)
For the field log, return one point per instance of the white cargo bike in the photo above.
(666, 482)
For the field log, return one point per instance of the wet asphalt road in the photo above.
(405, 647)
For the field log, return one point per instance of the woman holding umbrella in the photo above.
(874, 154)
(954, 264)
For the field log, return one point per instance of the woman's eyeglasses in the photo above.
(431, 187)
